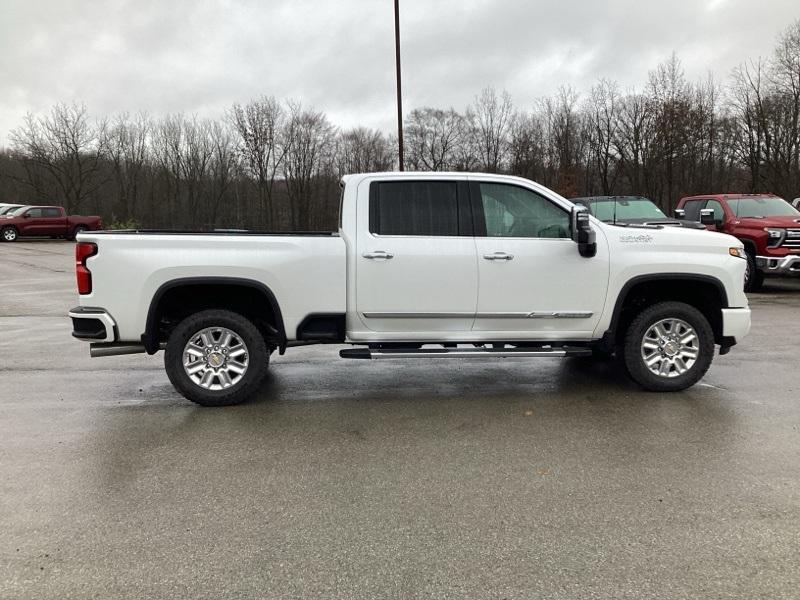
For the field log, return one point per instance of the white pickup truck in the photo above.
(424, 265)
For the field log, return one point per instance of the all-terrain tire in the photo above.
(638, 350)
(753, 278)
(217, 391)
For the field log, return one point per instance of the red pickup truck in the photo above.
(52, 221)
(768, 226)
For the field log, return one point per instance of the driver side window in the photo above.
(513, 211)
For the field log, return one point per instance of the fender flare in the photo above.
(634, 281)
(150, 335)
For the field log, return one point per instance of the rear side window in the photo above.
(426, 208)
(51, 212)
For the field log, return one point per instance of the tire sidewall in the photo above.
(3, 234)
(751, 274)
(634, 362)
(245, 329)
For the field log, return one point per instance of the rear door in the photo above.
(415, 256)
(534, 284)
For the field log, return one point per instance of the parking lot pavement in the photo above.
(351, 479)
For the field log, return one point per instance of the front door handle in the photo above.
(378, 254)
(499, 256)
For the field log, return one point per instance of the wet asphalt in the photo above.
(518, 478)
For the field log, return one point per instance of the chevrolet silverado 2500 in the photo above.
(424, 265)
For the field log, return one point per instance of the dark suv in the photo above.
(630, 210)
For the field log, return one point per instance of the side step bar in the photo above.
(385, 353)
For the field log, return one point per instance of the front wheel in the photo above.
(216, 358)
(668, 347)
(753, 278)
(9, 234)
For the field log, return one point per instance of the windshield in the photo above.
(8, 209)
(626, 208)
(763, 206)
(18, 211)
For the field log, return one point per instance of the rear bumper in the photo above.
(92, 325)
(782, 266)
(735, 322)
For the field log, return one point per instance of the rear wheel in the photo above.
(9, 234)
(668, 347)
(77, 230)
(216, 358)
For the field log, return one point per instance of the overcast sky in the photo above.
(199, 56)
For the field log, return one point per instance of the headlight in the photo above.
(775, 236)
(738, 252)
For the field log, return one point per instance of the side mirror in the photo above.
(26, 216)
(680, 214)
(707, 216)
(582, 232)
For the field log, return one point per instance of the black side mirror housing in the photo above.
(680, 214)
(582, 232)
(707, 216)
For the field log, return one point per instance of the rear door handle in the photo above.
(499, 256)
(378, 254)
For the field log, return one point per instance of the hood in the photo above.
(683, 237)
(665, 222)
(782, 222)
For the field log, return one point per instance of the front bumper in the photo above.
(92, 325)
(735, 322)
(782, 266)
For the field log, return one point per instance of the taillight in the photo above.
(84, 250)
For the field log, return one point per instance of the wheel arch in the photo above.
(704, 292)
(206, 295)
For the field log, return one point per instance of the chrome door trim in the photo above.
(485, 315)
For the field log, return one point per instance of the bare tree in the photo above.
(308, 157)
(435, 140)
(489, 122)
(62, 151)
(363, 150)
(261, 127)
(603, 120)
(128, 144)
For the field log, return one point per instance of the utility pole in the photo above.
(399, 85)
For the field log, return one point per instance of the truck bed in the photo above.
(305, 271)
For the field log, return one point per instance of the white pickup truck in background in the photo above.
(424, 265)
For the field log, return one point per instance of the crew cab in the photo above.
(52, 221)
(768, 226)
(423, 265)
(631, 210)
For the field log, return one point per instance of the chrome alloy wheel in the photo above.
(670, 347)
(215, 358)
(9, 235)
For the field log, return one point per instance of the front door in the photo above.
(415, 258)
(533, 282)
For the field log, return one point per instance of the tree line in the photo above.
(275, 164)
